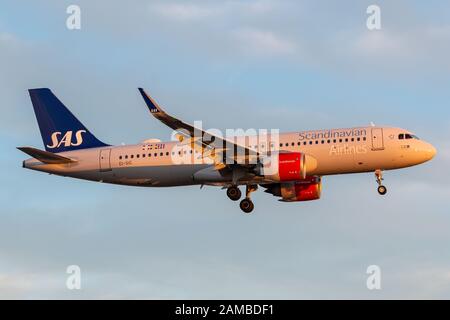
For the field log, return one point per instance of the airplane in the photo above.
(290, 166)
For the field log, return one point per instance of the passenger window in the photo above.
(137, 156)
(310, 142)
(132, 156)
(120, 157)
(364, 138)
(155, 154)
(126, 157)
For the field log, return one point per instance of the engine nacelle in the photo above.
(287, 166)
(306, 190)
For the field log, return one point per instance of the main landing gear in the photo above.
(381, 189)
(234, 193)
(246, 204)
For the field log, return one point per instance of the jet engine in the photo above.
(286, 166)
(305, 190)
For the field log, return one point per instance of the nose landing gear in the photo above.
(382, 190)
(379, 176)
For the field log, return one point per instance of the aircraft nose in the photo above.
(430, 151)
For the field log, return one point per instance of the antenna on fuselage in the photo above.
(372, 124)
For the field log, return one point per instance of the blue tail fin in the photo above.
(60, 130)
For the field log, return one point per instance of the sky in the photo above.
(289, 65)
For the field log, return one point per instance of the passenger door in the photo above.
(105, 163)
(377, 139)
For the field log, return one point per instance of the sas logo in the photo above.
(66, 140)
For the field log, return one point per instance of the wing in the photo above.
(212, 146)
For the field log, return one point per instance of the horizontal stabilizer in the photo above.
(45, 156)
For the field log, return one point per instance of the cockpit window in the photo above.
(411, 136)
(402, 136)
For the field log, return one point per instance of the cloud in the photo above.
(31, 285)
(262, 43)
(231, 27)
(14, 285)
(190, 11)
(183, 11)
(403, 48)
(423, 280)
(237, 29)
(6, 38)
(379, 43)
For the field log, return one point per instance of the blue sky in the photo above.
(292, 65)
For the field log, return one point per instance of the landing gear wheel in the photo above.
(382, 190)
(247, 205)
(379, 175)
(234, 193)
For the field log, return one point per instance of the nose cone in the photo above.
(429, 151)
(432, 151)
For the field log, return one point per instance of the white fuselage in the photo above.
(336, 151)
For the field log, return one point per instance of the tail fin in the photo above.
(60, 130)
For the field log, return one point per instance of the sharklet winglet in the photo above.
(151, 104)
